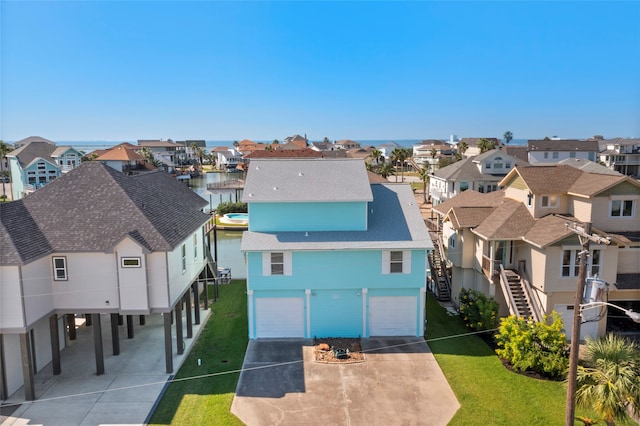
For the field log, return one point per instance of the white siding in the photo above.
(37, 279)
(11, 315)
(132, 281)
(157, 276)
(179, 280)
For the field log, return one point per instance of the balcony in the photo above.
(490, 267)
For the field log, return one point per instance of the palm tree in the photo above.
(486, 145)
(463, 147)
(386, 170)
(4, 150)
(376, 156)
(424, 177)
(275, 142)
(398, 156)
(507, 137)
(434, 153)
(610, 382)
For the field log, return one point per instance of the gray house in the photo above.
(95, 241)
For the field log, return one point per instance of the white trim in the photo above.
(252, 332)
(129, 258)
(64, 268)
(307, 293)
(365, 291)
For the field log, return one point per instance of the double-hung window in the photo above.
(60, 269)
(184, 258)
(195, 247)
(276, 263)
(396, 262)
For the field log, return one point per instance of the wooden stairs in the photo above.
(439, 272)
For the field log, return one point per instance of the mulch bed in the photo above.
(324, 350)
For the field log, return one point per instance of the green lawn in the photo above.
(489, 394)
(221, 347)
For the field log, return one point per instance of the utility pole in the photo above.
(584, 234)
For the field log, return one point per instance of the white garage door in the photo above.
(280, 317)
(393, 315)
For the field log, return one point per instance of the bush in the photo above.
(229, 207)
(534, 346)
(477, 311)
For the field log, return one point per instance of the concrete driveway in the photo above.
(398, 383)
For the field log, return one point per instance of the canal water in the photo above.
(229, 255)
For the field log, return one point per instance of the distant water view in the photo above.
(88, 146)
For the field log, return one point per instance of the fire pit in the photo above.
(338, 350)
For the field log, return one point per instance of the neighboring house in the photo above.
(387, 148)
(163, 151)
(283, 153)
(25, 141)
(524, 231)
(472, 145)
(227, 158)
(330, 254)
(37, 163)
(323, 146)
(347, 144)
(481, 173)
(185, 153)
(548, 151)
(95, 241)
(246, 146)
(363, 153)
(124, 158)
(621, 155)
(299, 141)
(423, 153)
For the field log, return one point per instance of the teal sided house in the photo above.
(330, 254)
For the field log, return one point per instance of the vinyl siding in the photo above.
(344, 216)
(336, 313)
(11, 314)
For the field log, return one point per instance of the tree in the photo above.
(376, 156)
(398, 157)
(275, 142)
(236, 144)
(463, 147)
(424, 177)
(146, 152)
(434, 153)
(4, 150)
(507, 137)
(326, 140)
(386, 170)
(609, 383)
(486, 145)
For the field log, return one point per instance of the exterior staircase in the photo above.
(439, 272)
(518, 295)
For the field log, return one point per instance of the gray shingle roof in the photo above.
(33, 150)
(562, 145)
(20, 238)
(94, 207)
(394, 222)
(306, 180)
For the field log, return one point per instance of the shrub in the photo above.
(478, 312)
(535, 346)
(230, 207)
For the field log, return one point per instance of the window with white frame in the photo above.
(452, 241)
(622, 208)
(555, 155)
(396, 262)
(497, 163)
(276, 263)
(195, 246)
(549, 201)
(60, 269)
(571, 262)
(184, 258)
(546, 155)
(130, 262)
(572, 154)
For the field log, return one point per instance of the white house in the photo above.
(553, 151)
(95, 241)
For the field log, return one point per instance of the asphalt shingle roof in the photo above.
(94, 207)
(394, 222)
(306, 180)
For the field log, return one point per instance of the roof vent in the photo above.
(257, 167)
(275, 188)
(250, 195)
(300, 174)
(306, 234)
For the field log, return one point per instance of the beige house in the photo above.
(517, 244)
(96, 241)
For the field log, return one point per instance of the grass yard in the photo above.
(221, 347)
(489, 393)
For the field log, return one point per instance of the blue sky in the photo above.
(118, 70)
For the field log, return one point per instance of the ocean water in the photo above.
(88, 146)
